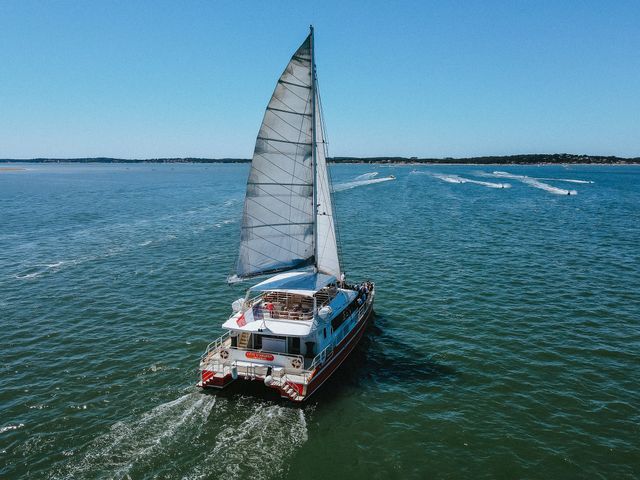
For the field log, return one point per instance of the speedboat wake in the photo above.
(339, 187)
(459, 179)
(367, 176)
(532, 182)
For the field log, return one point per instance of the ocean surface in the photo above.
(506, 341)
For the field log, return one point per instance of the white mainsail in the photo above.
(281, 230)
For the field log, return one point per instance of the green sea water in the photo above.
(506, 340)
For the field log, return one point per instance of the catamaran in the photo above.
(294, 329)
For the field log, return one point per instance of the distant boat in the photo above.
(294, 329)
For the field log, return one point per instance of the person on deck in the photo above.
(270, 309)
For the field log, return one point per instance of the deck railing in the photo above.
(217, 343)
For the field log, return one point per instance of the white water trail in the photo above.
(8, 428)
(213, 437)
(258, 447)
(532, 182)
(38, 269)
(367, 176)
(139, 441)
(459, 179)
(339, 187)
(570, 180)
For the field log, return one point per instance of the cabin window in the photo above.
(294, 345)
(339, 319)
(325, 332)
(272, 343)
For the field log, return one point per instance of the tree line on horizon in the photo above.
(523, 159)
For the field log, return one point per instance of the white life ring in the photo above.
(224, 354)
(296, 363)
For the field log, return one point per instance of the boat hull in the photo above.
(341, 353)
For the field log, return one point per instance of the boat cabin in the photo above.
(289, 314)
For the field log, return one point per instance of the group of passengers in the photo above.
(363, 290)
(277, 310)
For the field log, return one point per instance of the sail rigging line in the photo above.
(288, 106)
(275, 213)
(276, 245)
(278, 133)
(284, 82)
(297, 78)
(282, 184)
(284, 121)
(286, 87)
(280, 200)
(276, 165)
(283, 233)
(287, 111)
(279, 231)
(278, 224)
(284, 155)
(281, 141)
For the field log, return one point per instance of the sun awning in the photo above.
(302, 283)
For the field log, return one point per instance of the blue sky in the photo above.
(138, 79)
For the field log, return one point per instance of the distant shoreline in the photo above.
(527, 159)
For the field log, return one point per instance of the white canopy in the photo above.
(292, 328)
(301, 283)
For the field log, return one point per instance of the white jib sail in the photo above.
(277, 232)
(328, 261)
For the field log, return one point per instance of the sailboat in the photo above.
(292, 330)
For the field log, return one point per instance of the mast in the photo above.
(314, 148)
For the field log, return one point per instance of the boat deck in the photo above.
(215, 360)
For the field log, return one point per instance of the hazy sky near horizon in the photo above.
(149, 79)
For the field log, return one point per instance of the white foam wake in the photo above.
(367, 176)
(140, 440)
(257, 447)
(339, 187)
(535, 183)
(8, 428)
(459, 179)
(570, 180)
(39, 269)
(238, 438)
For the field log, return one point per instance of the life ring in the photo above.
(224, 354)
(296, 363)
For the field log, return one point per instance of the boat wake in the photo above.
(255, 442)
(569, 180)
(39, 269)
(367, 176)
(223, 439)
(133, 443)
(459, 179)
(339, 187)
(532, 182)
